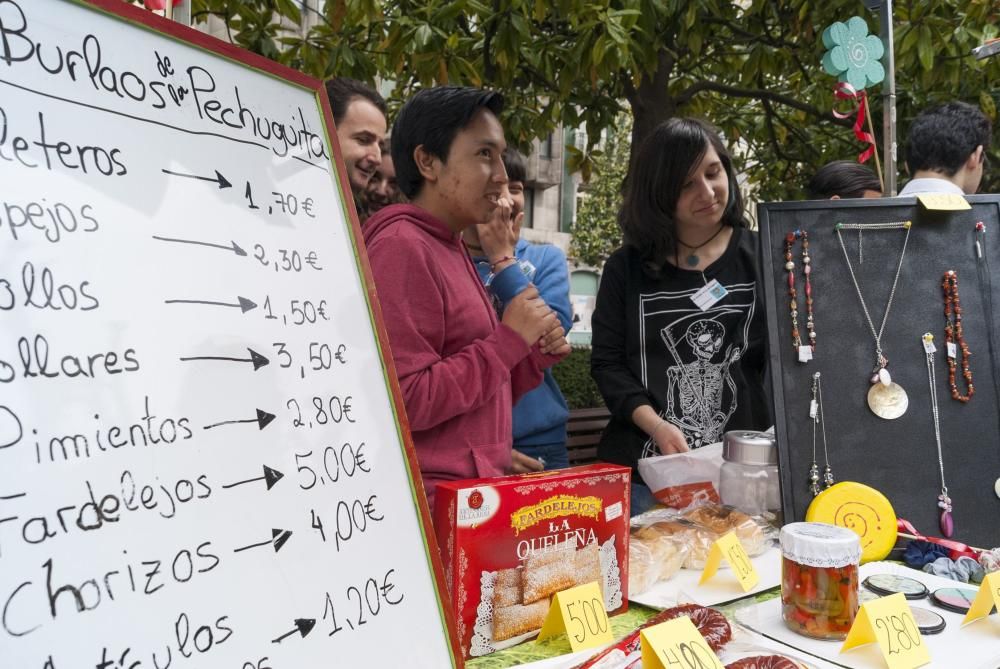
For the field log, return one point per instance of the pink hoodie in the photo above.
(459, 368)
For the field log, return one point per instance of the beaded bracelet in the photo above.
(493, 265)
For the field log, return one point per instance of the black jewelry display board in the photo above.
(898, 457)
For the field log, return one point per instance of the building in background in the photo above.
(551, 197)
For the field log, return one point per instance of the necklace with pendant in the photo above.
(886, 399)
(692, 258)
(947, 523)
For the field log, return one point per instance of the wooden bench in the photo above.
(584, 430)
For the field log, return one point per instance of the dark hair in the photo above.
(343, 90)
(431, 119)
(662, 165)
(843, 178)
(514, 163)
(943, 137)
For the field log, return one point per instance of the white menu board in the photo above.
(200, 462)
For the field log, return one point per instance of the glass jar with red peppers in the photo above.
(819, 579)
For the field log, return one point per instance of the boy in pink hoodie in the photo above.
(460, 367)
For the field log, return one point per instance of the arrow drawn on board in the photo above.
(256, 358)
(243, 303)
(232, 246)
(302, 626)
(218, 178)
(263, 419)
(270, 477)
(278, 539)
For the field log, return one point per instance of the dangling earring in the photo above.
(816, 415)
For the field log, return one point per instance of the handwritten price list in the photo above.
(199, 463)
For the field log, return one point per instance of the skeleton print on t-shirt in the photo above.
(688, 355)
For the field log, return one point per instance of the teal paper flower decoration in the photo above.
(854, 56)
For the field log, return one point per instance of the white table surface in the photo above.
(975, 646)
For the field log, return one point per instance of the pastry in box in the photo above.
(510, 543)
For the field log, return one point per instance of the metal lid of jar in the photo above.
(820, 545)
(749, 448)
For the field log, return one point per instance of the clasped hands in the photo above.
(527, 314)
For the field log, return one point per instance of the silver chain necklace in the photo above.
(816, 415)
(886, 399)
(944, 501)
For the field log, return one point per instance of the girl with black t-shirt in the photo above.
(679, 341)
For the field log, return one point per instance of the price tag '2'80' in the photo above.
(889, 622)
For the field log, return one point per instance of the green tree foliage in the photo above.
(752, 66)
(595, 231)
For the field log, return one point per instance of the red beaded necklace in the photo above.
(793, 295)
(954, 338)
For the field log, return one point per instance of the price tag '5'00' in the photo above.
(676, 644)
(579, 613)
(889, 622)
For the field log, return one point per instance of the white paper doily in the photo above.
(482, 631)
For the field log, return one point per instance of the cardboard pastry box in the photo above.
(508, 544)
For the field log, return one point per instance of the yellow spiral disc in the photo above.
(862, 509)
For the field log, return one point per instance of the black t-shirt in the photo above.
(703, 371)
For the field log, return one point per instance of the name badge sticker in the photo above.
(709, 295)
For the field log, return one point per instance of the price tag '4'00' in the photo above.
(676, 644)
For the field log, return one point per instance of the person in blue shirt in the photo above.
(540, 415)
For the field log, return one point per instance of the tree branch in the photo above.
(752, 37)
(772, 133)
(490, 31)
(760, 94)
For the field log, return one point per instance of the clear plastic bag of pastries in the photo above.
(699, 527)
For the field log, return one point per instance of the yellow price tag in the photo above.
(730, 549)
(889, 622)
(943, 202)
(676, 643)
(579, 614)
(987, 597)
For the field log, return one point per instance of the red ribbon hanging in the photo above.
(844, 91)
(160, 5)
(956, 549)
